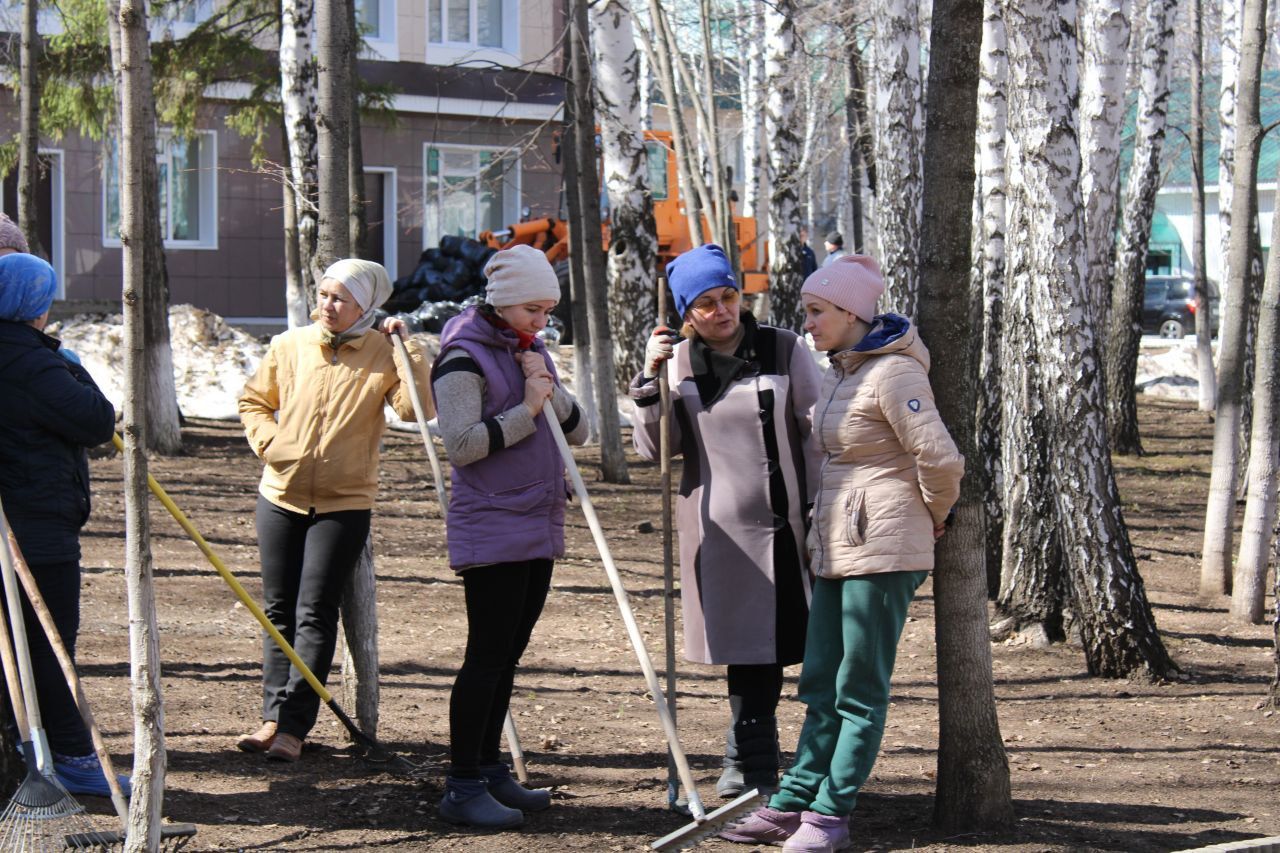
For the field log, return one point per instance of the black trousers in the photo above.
(754, 690)
(306, 561)
(59, 585)
(504, 602)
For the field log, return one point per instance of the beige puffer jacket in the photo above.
(891, 471)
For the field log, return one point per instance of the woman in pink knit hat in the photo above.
(889, 480)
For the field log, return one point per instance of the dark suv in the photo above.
(1169, 306)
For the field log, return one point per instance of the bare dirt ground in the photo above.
(1096, 764)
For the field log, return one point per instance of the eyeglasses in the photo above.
(707, 305)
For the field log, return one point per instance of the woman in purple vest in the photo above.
(506, 515)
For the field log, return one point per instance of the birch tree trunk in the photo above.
(1124, 329)
(360, 653)
(990, 259)
(164, 430)
(583, 383)
(333, 125)
(1047, 257)
(29, 128)
(1104, 41)
(132, 61)
(1208, 377)
(786, 262)
(298, 101)
(899, 128)
(357, 212)
(1229, 73)
(686, 164)
(751, 85)
(859, 142)
(1248, 591)
(633, 242)
(973, 770)
(1215, 565)
(613, 460)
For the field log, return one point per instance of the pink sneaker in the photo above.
(764, 826)
(819, 833)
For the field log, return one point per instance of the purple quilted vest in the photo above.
(509, 506)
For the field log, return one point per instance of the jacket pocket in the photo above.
(855, 518)
(519, 499)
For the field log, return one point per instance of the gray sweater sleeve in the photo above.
(459, 390)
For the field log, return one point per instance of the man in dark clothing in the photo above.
(809, 262)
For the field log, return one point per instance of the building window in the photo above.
(380, 217)
(188, 192)
(469, 190)
(656, 168)
(376, 20)
(50, 218)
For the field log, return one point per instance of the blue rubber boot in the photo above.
(510, 792)
(83, 774)
(468, 802)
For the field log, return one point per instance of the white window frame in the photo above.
(390, 225)
(208, 172)
(384, 45)
(452, 53)
(510, 209)
(58, 216)
(176, 29)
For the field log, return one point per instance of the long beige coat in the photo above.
(891, 471)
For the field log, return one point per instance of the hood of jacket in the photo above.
(890, 333)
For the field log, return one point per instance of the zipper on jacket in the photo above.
(323, 407)
(817, 501)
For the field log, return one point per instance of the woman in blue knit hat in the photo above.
(742, 394)
(53, 412)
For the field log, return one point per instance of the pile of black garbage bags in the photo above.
(448, 278)
(449, 273)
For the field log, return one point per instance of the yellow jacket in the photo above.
(316, 417)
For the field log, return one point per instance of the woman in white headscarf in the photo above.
(314, 414)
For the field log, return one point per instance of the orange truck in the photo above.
(552, 235)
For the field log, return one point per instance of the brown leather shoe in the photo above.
(259, 741)
(285, 747)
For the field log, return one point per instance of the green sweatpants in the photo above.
(854, 627)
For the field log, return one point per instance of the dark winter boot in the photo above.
(510, 792)
(468, 801)
(758, 753)
(730, 785)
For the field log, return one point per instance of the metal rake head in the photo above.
(173, 837)
(713, 824)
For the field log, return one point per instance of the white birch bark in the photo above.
(633, 243)
(1104, 39)
(898, 145)
(989, 257)
(298, 100)
(1215, 562)
(132, 67)
(1229, 73)
(1248, 592)
(1047, 258)
(786, 264)
(1124, 326)
(751, 84)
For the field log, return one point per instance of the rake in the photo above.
(174, 836)
(704, 824)
(373, 749)
(41, 812)
(437, 474)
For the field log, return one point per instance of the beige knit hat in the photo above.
(518, 275)
(11, 236)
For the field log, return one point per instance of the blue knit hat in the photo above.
(27, 285)
(697, 271)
